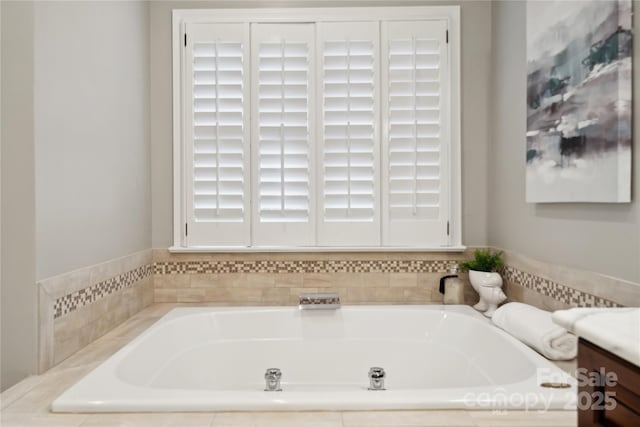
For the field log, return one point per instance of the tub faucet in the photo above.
(272, 379)
(319, 301)
(376, 379)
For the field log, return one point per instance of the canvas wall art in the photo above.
(579, 101)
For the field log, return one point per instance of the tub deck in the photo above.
(28, 403)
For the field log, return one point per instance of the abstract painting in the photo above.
(579, 101)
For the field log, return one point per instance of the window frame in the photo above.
(182, 17)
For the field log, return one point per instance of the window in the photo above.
(317, 128)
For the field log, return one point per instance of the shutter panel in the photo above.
(283, 202)
(349, 149)
(217, 133)
(415, 155)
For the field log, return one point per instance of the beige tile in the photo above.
(41, 420)
(259, 280)
(218, 295)
(358, 280)
(135, 260)
(246, 295)
(429, 280)
(150, 420)
(232, 280)
(133, 327)
(288, 280)
(65, 348)
(106, 270)
(620, 291)
(374, 280)
(156, 310)
(45, 329)
(315, 280)
(90, 356)
(172, 281)
(165, 295)
(389, 295)
(278, 419)
(191, 295)
(38, 399)
(67, 283)
(403, 280)
(360, 295)
(205, 280)
(18, 390)
(524, 418)
(276, 296)
(407, 418)
(421, 295)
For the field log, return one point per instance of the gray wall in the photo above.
(603, 238)
(75, 155)
(476, 64)
(93, 193)
(18, 287)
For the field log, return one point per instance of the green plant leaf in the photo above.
(484, 260)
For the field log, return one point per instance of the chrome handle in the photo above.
(272, 379)
(376, 378)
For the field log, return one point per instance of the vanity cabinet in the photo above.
(608, 388)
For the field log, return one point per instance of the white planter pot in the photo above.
(489, 288)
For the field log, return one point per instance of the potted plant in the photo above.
(485, 279)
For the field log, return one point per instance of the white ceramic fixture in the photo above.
(215, 359)
(489, 286)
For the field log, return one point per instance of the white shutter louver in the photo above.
(349, 149)
(282, 87)
(218, 133)
(416, 192)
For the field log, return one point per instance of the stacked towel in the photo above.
(535, 328)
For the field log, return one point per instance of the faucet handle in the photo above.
(272, 379)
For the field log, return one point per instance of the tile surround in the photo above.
(363, 278)
(303, 266)
(278, 278)
(554, 287)
(78, 307)
(564, 294)
(71, 302)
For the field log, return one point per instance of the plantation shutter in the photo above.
(217, 134)
(349, 145)
(283, 111)
(415, 152)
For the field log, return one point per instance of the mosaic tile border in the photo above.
(73, 301)
(307, 266)
(570, 296)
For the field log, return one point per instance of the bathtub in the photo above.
(210, 359)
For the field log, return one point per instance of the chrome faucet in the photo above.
(376, 378)
(319, 301)
(272, 379)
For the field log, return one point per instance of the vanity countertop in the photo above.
(614, 329)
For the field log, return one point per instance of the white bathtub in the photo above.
(207, 359)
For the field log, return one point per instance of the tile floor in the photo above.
(27, 403)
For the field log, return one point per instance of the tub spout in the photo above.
(319, 301)
(272, 379)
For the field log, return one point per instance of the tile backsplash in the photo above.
(77, 307)
(278, 278)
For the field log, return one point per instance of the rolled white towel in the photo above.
(535, 328)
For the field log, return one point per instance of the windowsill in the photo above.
(227, 249)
